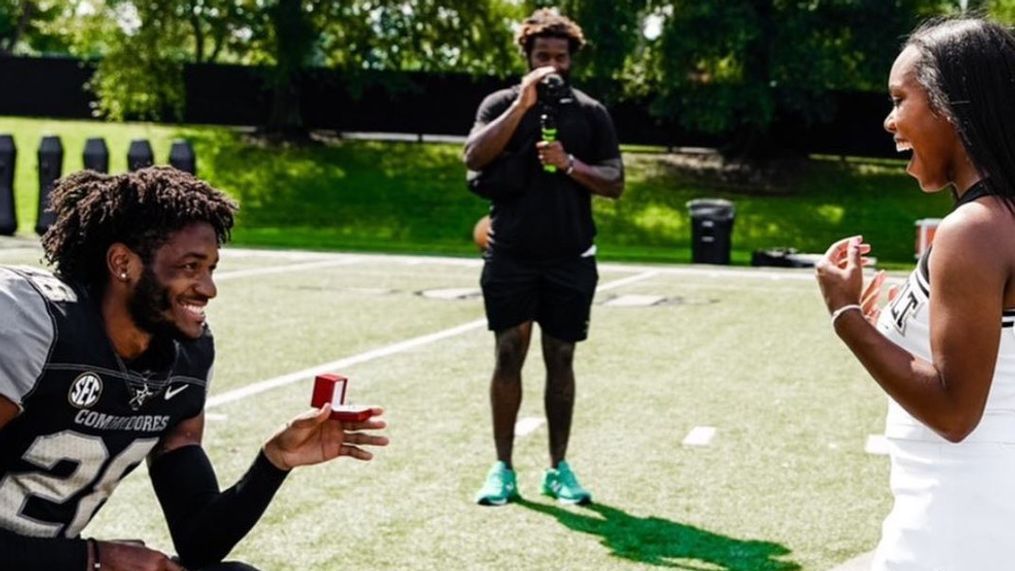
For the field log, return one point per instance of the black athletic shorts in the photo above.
(555, 294)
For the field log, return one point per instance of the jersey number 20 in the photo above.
(94, 472)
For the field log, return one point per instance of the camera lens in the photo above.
(553, 81)
(551, 89)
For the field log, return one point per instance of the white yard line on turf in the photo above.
(21, 250)
(717, 273)
(528, 425)
(766, 273)
(394, 348)
(261, 386)
(775, 274)
(230, 252)
(876, 444)
(628, 280)
(225, 276)
(700, 436)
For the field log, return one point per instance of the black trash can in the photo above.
(50, 169)
(181, 156)
(96, 155)
(711, 229)
(8, 213)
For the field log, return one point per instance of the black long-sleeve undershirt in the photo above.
(207, 523)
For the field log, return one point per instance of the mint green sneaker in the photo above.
(563, 485)
(500, 488)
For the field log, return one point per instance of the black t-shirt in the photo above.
(546, 215)
(87, 417)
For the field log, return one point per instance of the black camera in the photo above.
(553, 90)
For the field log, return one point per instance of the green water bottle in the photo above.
(548, 124)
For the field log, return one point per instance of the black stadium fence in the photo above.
(410, 103)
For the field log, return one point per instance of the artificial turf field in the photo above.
(785, 483)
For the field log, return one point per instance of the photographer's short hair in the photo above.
(140, 209)
(548, 23)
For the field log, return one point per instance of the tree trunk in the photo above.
(751, 138)
(285, 121)
(195, 24)
(294, 39)
(23, 20)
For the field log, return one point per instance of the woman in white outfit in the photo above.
(944, 346)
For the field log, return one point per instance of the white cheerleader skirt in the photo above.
(954, 506)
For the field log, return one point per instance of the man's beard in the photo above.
(148, 305)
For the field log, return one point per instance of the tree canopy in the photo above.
(716, 67)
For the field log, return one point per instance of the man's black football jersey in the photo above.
(87, 417)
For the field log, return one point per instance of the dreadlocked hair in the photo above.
(548, 23)
(141, 209)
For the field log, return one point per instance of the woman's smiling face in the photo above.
(939, 158)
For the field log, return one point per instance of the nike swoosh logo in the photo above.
(173, 391)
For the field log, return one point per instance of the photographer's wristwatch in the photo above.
(570, 164)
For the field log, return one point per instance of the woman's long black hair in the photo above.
(968, 69)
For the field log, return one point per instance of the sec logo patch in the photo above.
(85, 390)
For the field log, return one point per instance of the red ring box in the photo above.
(331, 388)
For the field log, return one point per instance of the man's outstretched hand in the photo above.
(312, 438)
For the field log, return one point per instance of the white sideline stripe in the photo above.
(717, 272)
(231, 252)
(700, 436)
(628, 280)
(20, 250)
(295, 255)
(632, 300)
(765, 273)
(792, 274)
(528, 425)
(225, 276)
(401, 346)
(876, 444)
(261, 386)
(452, 293)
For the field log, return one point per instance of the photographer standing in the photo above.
(538, 151)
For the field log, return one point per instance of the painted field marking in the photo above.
(226, 276)
(632, 300)
(528, 425)
(19, 250)
(385, 351)
(801, 274)
(699, 436)
(628, 280)
(452, 293)
(877, 445)
(791, 274)
(394, 348)
(294, 255)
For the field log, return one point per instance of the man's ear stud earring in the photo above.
(123, 276)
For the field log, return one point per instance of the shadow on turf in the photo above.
(665, 543)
